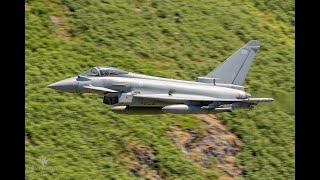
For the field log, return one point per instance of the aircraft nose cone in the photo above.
(68, 85)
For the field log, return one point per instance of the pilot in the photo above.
(104, 73)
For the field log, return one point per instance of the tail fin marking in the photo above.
(235, 68)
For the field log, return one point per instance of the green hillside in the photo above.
(70, 136)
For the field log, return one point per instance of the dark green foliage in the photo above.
(178, 39)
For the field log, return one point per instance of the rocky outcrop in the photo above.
(142, 162)
(216, 147)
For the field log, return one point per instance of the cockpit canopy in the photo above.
(103, 71)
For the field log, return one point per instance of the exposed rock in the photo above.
(143, 162)
(143, 154)
(215, 147)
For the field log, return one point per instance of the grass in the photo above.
(82, 139)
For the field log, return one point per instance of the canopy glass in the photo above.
(103, 71)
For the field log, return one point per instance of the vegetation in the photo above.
(70, 136)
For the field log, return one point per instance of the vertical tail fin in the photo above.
(234, 70)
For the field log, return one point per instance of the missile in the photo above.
(174, 109)
(136, 110)
(189, 109)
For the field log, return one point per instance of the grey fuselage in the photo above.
(143, 84)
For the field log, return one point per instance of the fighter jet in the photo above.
(222, 90)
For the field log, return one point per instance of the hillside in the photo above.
(70, 136)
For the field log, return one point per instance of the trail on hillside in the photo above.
(216, 147)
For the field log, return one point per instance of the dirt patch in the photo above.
(266, 17)
(142, 162)
(60, 26)
(215, 147)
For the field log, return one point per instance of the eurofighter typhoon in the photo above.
(222, 90)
